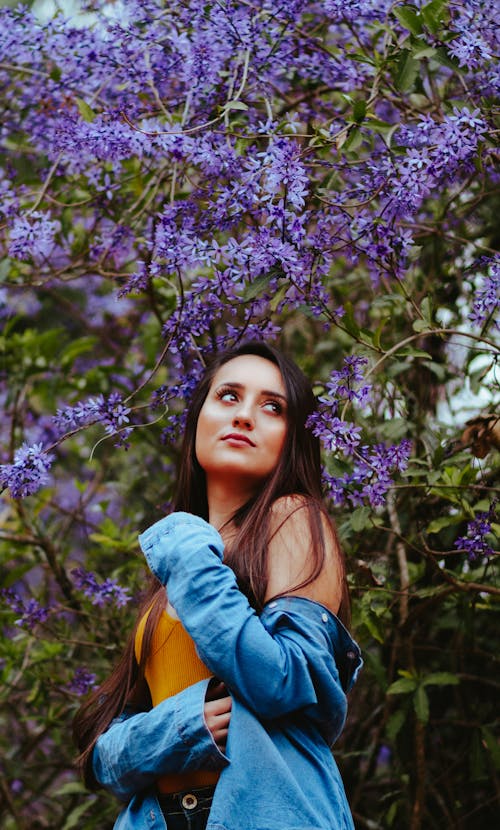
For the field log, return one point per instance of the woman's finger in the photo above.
(219, 706)
(215, 690)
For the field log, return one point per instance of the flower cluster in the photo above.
(344, 386)
(178, 157)
(31, 613)
(111, 412)
(371, 469)
(347, 383)
(28, 473)
(100, 593)
(82, 682)
(477, 541)
(486, 302)
(435, 150)
(477, 38)
(32, 236)
(371, 475)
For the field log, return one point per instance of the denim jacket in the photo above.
(288, 671)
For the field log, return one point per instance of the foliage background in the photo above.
(176, 177)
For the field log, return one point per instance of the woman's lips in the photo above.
(236, 439)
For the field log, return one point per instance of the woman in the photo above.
(255, 579)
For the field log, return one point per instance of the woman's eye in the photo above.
(226, 395)
(273, 406)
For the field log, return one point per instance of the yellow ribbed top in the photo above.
(172, 666)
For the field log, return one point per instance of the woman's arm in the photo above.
(174, 736)
(273, 674)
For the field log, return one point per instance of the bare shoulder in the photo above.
(297, 552)
(293, 508)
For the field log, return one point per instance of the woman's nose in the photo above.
(243, 418)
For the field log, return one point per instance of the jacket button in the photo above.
(189, 801)
(324, 617)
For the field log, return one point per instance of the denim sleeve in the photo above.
(271, 673)
(172, 737)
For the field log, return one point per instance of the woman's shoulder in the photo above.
(285, 507)
(304, 556)
(293, 513)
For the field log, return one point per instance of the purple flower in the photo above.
(370, 474)
(82, 682)
(471, 47)
(99, 594)
(343, 383)
(384, 756)
(486, 303)
(476, 543)
(32, 235)
(283, 170)
(137, 282)
(30, 610)
(334, 433)
(110, 411)
(352, 10)
(29, 471)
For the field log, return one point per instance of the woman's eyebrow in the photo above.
(274, 394)
(236, 385)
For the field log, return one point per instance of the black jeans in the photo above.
(187, 810)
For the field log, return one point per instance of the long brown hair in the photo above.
(298, 472)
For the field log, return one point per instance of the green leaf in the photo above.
(437, 369)
(33, 694)
(279, 296)
(444, 521)
(235, 105)
(55, 73)
(70, 788)
(420, 325)
(360, 518)
(359, 111)
(394, 429)
(378, 332)
(426, 52)
(403, 686)
(445, 59)
(85, 110)
(353, 140)
(348, 320)
(15, 574)
(410, 351)
(426, 309)
(5, 268)
(421, 704)
(256, 287)
(373, 626)
(73, 819)
(432, 15)
(407, 70)
(409, 19)
(440, 678)
(80, 346)
(395, 723)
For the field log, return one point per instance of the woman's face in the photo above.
(242, 424)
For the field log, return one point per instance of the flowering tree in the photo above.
(178, 177)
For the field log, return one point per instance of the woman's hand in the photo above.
(217, 712)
